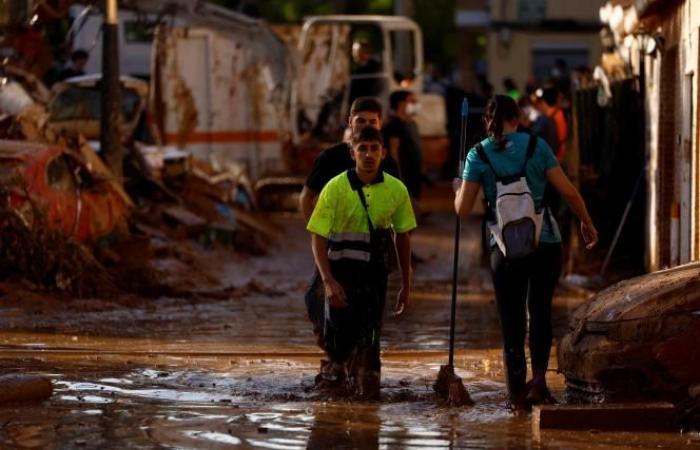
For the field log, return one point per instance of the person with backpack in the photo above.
(526, 255)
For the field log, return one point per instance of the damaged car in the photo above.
(637, 340)
(74, 193)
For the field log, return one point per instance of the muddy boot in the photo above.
(364, 371)
(367, 384)
(332, 377)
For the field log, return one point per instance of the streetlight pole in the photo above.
(110, 126)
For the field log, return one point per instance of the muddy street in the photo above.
(237, 370)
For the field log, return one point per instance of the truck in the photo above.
(236, 92)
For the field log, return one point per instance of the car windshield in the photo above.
(84, 103)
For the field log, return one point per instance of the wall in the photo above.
(693, 18)
(511, 47)
(515, 60)
(577, 10)
(674, 147)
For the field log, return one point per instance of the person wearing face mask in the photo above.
(402, 140)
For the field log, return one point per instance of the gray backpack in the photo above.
(517, 224)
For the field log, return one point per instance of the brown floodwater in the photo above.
(237, 372)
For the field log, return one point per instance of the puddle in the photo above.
(236, 373)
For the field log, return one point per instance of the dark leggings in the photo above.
(527, 281)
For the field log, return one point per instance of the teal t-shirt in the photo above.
(509, 161)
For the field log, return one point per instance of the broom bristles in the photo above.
(449, 386)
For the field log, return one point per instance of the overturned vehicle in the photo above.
(637, 340)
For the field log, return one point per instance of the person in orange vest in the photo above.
(550, 95)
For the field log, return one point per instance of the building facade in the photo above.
(673, 144)
(660, 41)
(524, 38)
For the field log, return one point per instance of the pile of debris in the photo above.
(191, 199)
(76, 228)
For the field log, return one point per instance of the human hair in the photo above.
(79, 54)
(397, 97)
(367, 134)
(500, 109)
(366, 104)
(509, 84)
(549, 93)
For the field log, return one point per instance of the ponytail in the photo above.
(499, 110)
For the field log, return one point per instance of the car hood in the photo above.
(660, 293)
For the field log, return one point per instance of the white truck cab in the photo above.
(323, 90)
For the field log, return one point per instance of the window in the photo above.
(532, 10)
(76, 103)
(403, 54)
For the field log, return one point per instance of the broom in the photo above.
(448, 385)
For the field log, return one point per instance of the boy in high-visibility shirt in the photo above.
(351, 240)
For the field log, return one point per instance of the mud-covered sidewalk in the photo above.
(233, 367)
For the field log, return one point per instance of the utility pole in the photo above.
(111, 118)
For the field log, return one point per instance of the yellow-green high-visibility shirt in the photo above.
(340, 217)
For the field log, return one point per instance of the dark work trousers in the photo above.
(355, 329)
(527, 282)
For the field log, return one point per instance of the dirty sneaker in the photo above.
(538, 394)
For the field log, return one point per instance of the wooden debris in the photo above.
(184, 221)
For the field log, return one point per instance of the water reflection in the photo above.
(345, 426)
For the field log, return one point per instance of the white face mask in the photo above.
(412, 109)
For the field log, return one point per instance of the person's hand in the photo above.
(401, 301)
(456, 184)
(335, 293)
(590, 235)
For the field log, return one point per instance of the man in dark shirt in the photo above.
(365, 111)
(366, 78)
(402, 140)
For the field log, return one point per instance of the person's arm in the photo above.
(465, 197)
(568, 191)
(403, 248)
(334, 291)
(307, 198)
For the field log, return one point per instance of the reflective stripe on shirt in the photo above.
(349, 253)
(340, 237)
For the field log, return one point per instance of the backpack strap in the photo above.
(531, 146)
(482, 154)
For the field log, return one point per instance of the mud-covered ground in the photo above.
(235, 369)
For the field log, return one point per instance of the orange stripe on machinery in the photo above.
(223, 137)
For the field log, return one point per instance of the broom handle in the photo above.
(458, 227)
(453, 309)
